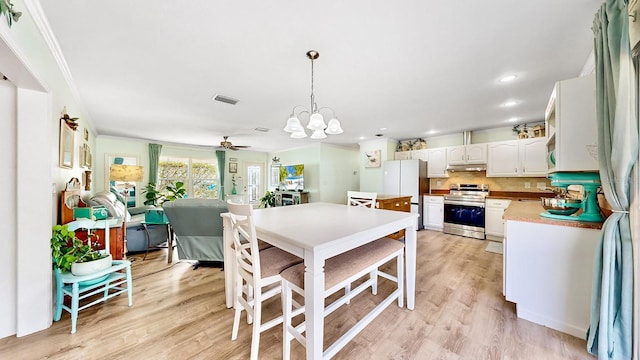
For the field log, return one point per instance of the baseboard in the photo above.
(577, 331)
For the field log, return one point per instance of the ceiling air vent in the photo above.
(261, 129)
(226, 99)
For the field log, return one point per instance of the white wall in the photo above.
(371, 178)
(339, 173)
(41, 93)
(7, 207)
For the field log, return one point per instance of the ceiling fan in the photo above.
(229, 146)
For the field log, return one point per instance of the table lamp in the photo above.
(125, 173)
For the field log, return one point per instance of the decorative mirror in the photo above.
(66, 146)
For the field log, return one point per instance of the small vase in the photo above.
(233, 190)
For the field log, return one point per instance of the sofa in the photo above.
(136, 238)
(198, 228)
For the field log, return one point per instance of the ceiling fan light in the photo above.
(293, 125)
(318, 134)
(334, 127)
(316, 122)
(299, 134)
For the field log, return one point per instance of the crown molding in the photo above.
(42, 24)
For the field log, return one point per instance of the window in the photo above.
(200, 176)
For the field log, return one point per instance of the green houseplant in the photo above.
(177, 191)
(268, 200)
(152, 195)
(67, 249)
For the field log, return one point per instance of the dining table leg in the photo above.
(410, 246)
(314, 304)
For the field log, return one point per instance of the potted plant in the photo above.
(178, 191)
(268, 200)
(152, 195)
(70, 254)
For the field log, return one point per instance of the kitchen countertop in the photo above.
(529, 211)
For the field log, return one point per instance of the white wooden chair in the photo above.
(340, 271)
(257, 273)
(111, 282)
(361, 198)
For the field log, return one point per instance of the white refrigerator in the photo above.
(406, 177)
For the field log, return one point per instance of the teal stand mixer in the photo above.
(564, 208)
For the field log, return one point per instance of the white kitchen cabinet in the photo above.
(493, 223)
(437, 163)
(512, 158)
(467, 154)
(570, 121)
(422, 154)
(548, 272)
(433, 212)
(402, 155)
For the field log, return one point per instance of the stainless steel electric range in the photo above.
(464, 209)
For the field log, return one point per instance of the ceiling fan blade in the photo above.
(241, 146)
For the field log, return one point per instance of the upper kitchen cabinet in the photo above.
(467, 154)
(527, 157)
(412, 155)
(437, 163)
(570, 120)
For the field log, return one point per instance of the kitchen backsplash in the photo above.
(518, 184)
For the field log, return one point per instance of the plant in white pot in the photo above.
(70, 254)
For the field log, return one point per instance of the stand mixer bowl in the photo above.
(561, 205)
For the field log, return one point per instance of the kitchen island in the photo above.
(548, 267)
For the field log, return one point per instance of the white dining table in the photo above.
(316, 232)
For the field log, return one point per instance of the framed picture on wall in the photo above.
(233, 167)
(66, 146)
(372, 158)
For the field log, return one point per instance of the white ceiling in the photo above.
(148, 69)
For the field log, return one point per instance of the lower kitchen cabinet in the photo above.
(548, 272)
(433, 212)
(493, 223)
(396, 203)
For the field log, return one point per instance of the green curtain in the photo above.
(610, 329)
(220, 155)
(154, 159)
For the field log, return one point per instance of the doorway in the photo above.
(255, 181)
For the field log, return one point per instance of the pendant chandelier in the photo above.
(316, 122)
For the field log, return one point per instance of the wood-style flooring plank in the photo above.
(179, 313)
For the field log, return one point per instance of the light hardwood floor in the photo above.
(179, 313)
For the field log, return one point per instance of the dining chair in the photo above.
(257, 274)
(361, 198)
(339, 271)
(109, 282)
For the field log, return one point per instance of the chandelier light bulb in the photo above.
(316, 122)
(293, 125)
(334, 127)
(318, 134)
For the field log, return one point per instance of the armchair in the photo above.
(198, 228)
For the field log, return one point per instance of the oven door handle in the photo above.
(463, 203)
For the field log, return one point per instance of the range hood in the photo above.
(467, 167)
(458, 167)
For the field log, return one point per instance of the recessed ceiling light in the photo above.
(513, 119)
(510, 103)
(431, 132)
(508, 78)
(383, 129)
(362, 138)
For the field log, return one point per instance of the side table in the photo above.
(170, 235)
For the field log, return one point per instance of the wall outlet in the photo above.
(541, 185)
(438, 182)
(527, 185)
